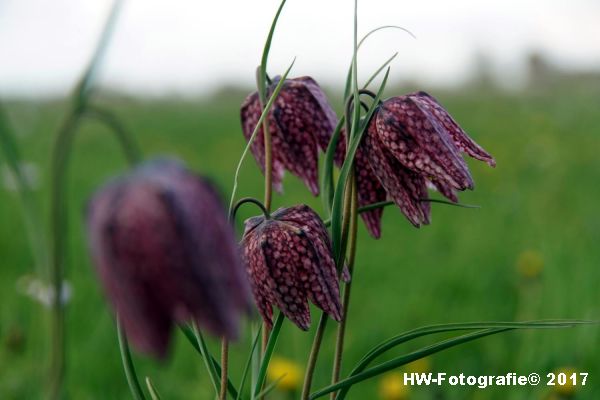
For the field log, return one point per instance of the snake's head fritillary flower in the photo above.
(369, 189)
(301, 121)
(288, 257)
(412, 141)
(166, 254)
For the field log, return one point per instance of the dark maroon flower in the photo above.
(166, 254)
(288, 257)
(369, 189)
(411, 141)
(300, 122)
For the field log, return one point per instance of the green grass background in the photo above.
(542, 197)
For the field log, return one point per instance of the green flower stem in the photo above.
(341, 331)
(312, 358)
(60, 159)
(132, 380)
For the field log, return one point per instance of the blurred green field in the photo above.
(539, 209)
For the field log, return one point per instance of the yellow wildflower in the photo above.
(391, 387)
(568, 388)
(530, 264)
(286, 372)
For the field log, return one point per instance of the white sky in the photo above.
(191, 46)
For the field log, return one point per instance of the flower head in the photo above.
(300, 122)
(412, 142)
(392, 387)
(166, 254)
(289, 260)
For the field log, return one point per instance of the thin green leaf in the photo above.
(381, 68)
(327, 175)
(254, 133)
(362, 40)
(132, 379)
(31, 211)
(152, 390)
(247, 365)
(86, 82)
(262, 372)
(423, 352)
(191, 337)
(434, 329)
(270, 387)
(336, 213)
(206, 356)
(265, 56)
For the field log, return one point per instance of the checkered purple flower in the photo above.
(289, 260)
(166, 254)
(300, 122)
(411, 141)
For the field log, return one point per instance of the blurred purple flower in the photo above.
(289, 260)
(300, 122)
(166, 254)
(412, 140)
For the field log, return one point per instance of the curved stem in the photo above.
(132, 381)
(224, 365)
(252, 200)
(341, 331)
(60, 157)
(312, 358)
(130, 147)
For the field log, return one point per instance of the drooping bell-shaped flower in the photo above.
(166, 254)
(369, 189)
(411, 141)
(289, 260)
(300, 122)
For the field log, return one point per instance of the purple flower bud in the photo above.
(288, 257)
(412, 141)
(166, 254)
(300, 122)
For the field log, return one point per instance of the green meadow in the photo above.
(531, 251)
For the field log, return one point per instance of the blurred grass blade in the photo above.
(206, 356)
(152, 390)
(83, 89)
(270, 387)
(262, 373)
(336, 213)
(132, 379)
(248, 363)
(254, 133)
(434, 329)
(31, 211)
(191, 337)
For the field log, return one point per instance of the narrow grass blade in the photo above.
(426, 351)
(434, 329)
(132, 379)
(191, 337)
(265, 56)
(270, 387)
(248, 363)
(206, 356)
(327, 175)
(152, 390)
(254, 133)
(262, 372)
